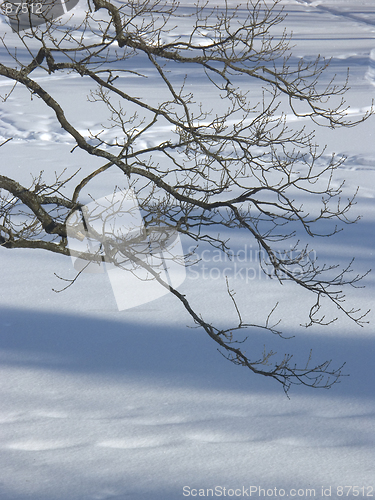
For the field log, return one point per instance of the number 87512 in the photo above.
(15, 8)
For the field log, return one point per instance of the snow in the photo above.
(101, 404)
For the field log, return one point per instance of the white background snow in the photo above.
(97, 404)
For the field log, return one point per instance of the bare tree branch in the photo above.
(239, 167)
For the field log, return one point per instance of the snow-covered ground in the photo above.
(97, 404)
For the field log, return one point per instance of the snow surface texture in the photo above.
(97, 404)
